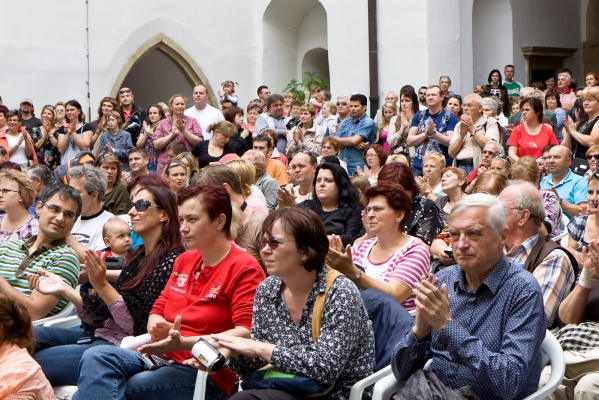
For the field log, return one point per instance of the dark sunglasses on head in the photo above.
(503, 156)
(176, 164)
(341, 103)
(143, 205)
(591, 156)
(124, 91)
(444, 77)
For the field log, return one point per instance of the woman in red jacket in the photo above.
(211, 290)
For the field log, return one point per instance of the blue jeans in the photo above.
(467, 169)
(113, 373)
(57, 352)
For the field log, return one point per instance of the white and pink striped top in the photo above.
(407, 265)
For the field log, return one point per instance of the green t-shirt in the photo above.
(513, 89)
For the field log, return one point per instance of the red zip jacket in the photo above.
(219, 298)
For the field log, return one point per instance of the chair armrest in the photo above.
(385, 388)
(134, 342)
(67, 322)
(358, 388)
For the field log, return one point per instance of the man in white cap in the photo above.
(28, 117)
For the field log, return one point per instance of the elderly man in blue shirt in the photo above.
(482, 320)
(355, 133)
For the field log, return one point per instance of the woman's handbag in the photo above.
(269, 377)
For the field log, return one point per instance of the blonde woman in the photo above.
(247, 175)
(191, 164)
(430, 182)
(175, 173)
(306, 135)
(388, 111)
(211, 151)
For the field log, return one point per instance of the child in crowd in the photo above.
(315, 100)
(115, 140)
(117, 238)
(229, 93)
(515, 106)
(294, 113)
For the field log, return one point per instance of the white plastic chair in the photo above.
(129, 342)
(564, 232)
(551, 352)
(60, 315)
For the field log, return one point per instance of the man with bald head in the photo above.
(551, 265)
(471, 135)
(203, 112)
(571, 189)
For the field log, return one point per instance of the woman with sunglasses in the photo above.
(592, 158)
(529, 138)
(45, 139)
(116, 199)
(17, 194)
(211, 290)
(176, 175)
(114, 312)
(76, 136)
(190, 162)
(578, 137)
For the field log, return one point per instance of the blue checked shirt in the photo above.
(493, 342)
(555, 274)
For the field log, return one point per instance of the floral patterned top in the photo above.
(345, 349)
(47, 154)
(151, 150)
(425, 223)
(553, 212)
(164, 128)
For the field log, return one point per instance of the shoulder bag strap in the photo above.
(319, 304)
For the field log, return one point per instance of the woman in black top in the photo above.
(336, 202)
(243, 140)
(579, 137)
(211, 151)
(496, 88)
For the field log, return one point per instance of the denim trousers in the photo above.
(57, 352)
(466, 169)
(113, 373)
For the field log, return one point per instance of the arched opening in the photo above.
(590, 48)
(317, 60)
(492, 37)
(158, 69)
(291, 29)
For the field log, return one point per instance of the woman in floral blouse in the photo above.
(294, 246)
(45, 139)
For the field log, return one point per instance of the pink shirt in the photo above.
(407, 265)
(164, 128)
(255, 202)
(20, 376)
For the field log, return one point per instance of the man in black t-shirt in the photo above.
(28, 117)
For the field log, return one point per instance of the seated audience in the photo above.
(579, 137)
(374, 157)
(20, 376)
(527, 169)
(58, 208)
(293, 248)
(116, 199)
(361, 183)
(17, 194)
(302, 173)
(553, 266)
(391, 262)
(570, 188)
(471, 134)
(275, 168)
(490, 182)
(330, 147)
(190, 164)
(264, 182)
(430, 181)
(248, 232)
(114, 311)
(247, 175)
(176, 174)
(306, 136)
(482, 320)
(87, 231)
(210, 290)
(337, 203)
(212, 150)
(424, 222)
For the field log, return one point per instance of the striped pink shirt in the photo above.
(407, 265)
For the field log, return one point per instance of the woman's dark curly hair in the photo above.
(349, 196)
(380, 152)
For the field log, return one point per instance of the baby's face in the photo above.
(119, 239)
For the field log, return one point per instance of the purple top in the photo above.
(25, 231)
(113, 329)
(164, 128)
(553, 211)
(383, 141)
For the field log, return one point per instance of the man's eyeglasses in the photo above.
(422, 93)
(143, 204)
(6, 191)
(123, 91)
(271, 242)
(591, 156)
(492, 153)
(68, 215)
(341, 103)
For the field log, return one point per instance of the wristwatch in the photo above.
(358, 274)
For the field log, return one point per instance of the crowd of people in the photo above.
(303, 239)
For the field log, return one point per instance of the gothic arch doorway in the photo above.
(159, 69)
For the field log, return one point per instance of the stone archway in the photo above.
(590, 48)
(161, 46)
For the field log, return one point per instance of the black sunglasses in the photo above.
(341, 103)
(124, 91)
(503, 156)
(143, 205)
(591, 156)
(271, 242)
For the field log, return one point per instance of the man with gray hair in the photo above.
(390, 98)
(567, 96)
(553, 266)
(471, 134)
(40, 176)
(490, 109)
(275, 120)
(491, 149)
(91, 183)
(482, 320)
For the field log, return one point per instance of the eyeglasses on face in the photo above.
(54, 209)
(143, 205)
(6, 191)
(591, 156)
(489, 152)
(341, 103)
(271, 242)
(123, 91)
